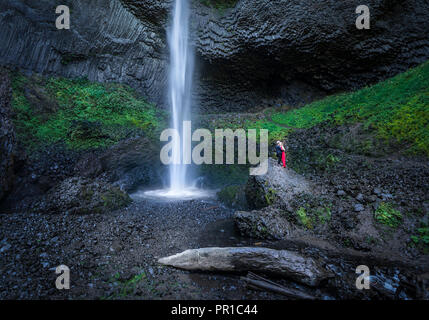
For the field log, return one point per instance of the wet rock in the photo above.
(246, 58)
(246, 48)
(107, 43)
(386, 196)
(376, 191)
(233, 197)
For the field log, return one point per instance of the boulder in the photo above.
(280, 262)
(78, 195)
(7, 136)
(278, 185)
(268, 223)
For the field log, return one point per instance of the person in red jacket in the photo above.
(283, 154)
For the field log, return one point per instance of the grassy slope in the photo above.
(82, 114)
(396, 109)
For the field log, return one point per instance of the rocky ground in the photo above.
(114, 255)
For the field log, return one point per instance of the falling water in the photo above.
(180, 85)
(181, 68)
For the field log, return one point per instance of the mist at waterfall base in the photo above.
(180, 88)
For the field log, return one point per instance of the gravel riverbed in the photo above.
(114, 255)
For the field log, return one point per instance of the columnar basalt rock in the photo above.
(296, 50)
(256, 54)
(105, 43)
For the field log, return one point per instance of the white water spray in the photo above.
(180, 85)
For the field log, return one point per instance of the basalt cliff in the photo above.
(251, 54)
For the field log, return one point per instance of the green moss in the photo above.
(324, 214)
(326, 161)
(387, 215)
(270, 196)
(396, 109)
(420, 239)
(303, 218)
(89, 114)
(115, 199)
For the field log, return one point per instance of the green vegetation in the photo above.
(325, 162)
(304, 219)
(79, 113)
(125, 288)
(396, 109)
(392, 112)
(309, 217)
(387, 215)
(324, 214)
(115, 198)
(421, 239)
(270, 196)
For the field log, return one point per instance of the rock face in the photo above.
(7, 136)
(258, 53)
(295, 49)
(105, 43)
(280, 262)
(130, 164)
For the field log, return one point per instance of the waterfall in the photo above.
(179, 94)
(180, 85)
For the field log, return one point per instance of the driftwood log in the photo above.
(280, 262)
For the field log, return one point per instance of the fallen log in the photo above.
(256, 282)
(280, 262)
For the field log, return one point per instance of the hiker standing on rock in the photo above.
(283, 149)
